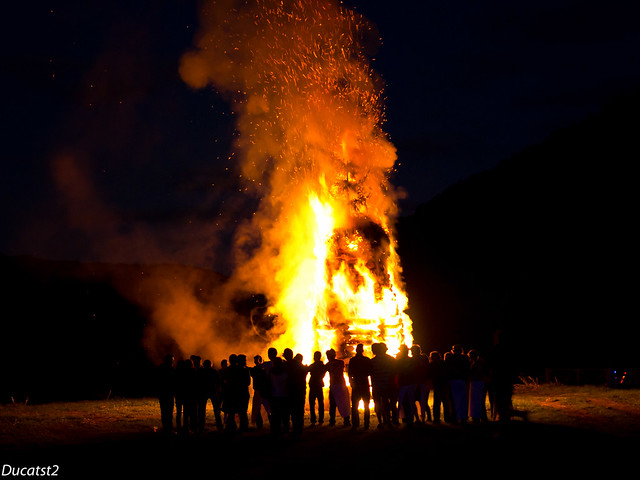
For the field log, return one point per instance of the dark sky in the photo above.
(106, 150)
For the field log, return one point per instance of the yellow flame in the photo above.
(349, 305)
(304, 274)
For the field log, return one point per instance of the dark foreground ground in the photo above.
(87, 441)
(516, 449)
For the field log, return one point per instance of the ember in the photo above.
(321, 245)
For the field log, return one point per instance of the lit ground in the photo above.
(572, 427)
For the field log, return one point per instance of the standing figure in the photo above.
(278, 398)
(359, 370)
(477, 387)
(287, 358)
(200, 395)
(317, 371)
(184, 395)
(209, 378)
(296, 391)
(238, 382)
(407, 385)
(423, 382)
(221, 415)
(501, 378)
(272, 354)
(260, 392)
(382, 383)
(338, 392)
(166, 386)
(440, 385)
(457, 365)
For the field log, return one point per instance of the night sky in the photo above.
(109, 155)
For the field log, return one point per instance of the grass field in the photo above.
(558, 423)
(601, 409)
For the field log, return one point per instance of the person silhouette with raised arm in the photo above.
(338, 392)
(317, 371)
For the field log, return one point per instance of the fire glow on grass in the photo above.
(321, 245)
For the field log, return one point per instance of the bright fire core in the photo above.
(321, 245)
(341, 287)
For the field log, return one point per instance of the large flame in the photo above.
(321, 245)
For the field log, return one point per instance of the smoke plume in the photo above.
(309, 112)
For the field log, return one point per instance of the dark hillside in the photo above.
(542, 244)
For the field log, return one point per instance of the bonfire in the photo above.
(321, 246)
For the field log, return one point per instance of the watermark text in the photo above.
(29, 471)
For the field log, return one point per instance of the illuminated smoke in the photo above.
(311, 147)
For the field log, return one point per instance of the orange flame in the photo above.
(321, 245)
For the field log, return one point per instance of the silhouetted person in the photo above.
(440, 385)
(227, 392)
(166, 389)
(395, 393)
(237, 398)
(272, 353)
(223, 374)
(210, 380)
(478, 378)
(457, 364)
(382, 382)
(200, 395)
(423, 379)
(260, 392)
(287, 356)
(501, 376)
(184, 395)
(338, 392)
(407, 385)
(243, 388)
(296, 392)
(278, 399)
(359, 371)
(317, 371)
(215, 388)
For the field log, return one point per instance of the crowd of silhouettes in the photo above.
(278, 390)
